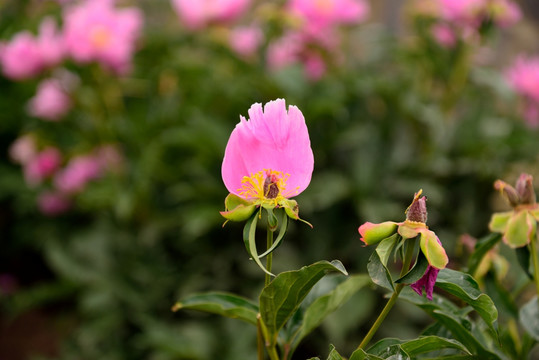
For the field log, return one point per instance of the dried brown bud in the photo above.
(417, 211)
(525, 189)
(508, 192)
(271, 189)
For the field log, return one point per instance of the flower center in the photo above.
(100, 36)
(266, 185)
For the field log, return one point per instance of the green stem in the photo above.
(269, 257)
(259, 340)
(389, 305)
(535, 259)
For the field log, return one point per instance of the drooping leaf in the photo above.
(281, 298)
(416, 272)
(249, 238)
(464, 287)
(224, 304)
(328, 303)
(481, 249)
(425, 344)
(379, 273)
(529, 317)
(278, 241)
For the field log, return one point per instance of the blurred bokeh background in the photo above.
(114, 118)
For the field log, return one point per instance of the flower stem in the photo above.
(535, 259)
(269, 257)
(389, 305)
(259, 340)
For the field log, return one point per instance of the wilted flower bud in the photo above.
(417, 211)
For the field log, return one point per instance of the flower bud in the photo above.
(417, 211)
(508, 192)
(524, 188)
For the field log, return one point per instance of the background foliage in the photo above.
(397, 113)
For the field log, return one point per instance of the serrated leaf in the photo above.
(328, 303)
(379, 273)
(426, 344)
(281, 298)
(529, 317)
(415, 273)
(464, 287)
(224, 304)
(481, 249)
(249, 239)
(280, 236)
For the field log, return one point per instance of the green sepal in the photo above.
(249, 238)
(291, 208)
(280, 236)
(415, 273)
(433, 250)
(237, 208)
(498, 221)
(273, 223)
(520, 229)
(372, 233)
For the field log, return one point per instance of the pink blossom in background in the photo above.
(50, 43)
(273, 143)
(23, 149)
(42, 166)
(53, 203)
(444, 35)
(523, 77)
(110, 158)
(78, 172)
(198, 14)
(96, 31)
(505, 12)
(21, 57)
(285, 51)
(315, 67)
(463, 12)
(531, 114)
(246, 40)
(50, 102)
(318, 15)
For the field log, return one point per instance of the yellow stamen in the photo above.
(255, 187)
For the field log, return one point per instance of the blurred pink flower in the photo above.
(23, 149)
(50, 102)
(246, 40)
(523, 77)
(21, 57)
(110, 158)
(96, 31)
(315, 67)
(531, 114)
(41, 166)
(318, 15)
(198, 14)
(505, 12)
(444, 35)
(285, 50)
(53, 203)
(270, 150)
(50, 43)
(78, 172)
(463, 12)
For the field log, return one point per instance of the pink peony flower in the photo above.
(42, 166)
(198, 14)
(50, 43)
(246, 40)
(318, 15)
(463, 12)
(505, 12)
(50, 102)
(23, 149)
(285, 51)
(268, 157)
(78, 172)
(96, 31)
(444, 35)
(53, 203)
(315, 67)
(21, 57)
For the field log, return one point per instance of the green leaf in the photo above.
(426, 344)
(379, 273)
(360, 354)
(386, 246)
(249, 238)
(328, 303)
(415, 273)
(382, 346)
(223, 304)
(482, 247)
(464, 287)
(529, 317)
(523, 257)
(462, 334)
(333, 354)
(278, 241)
(281, 298)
